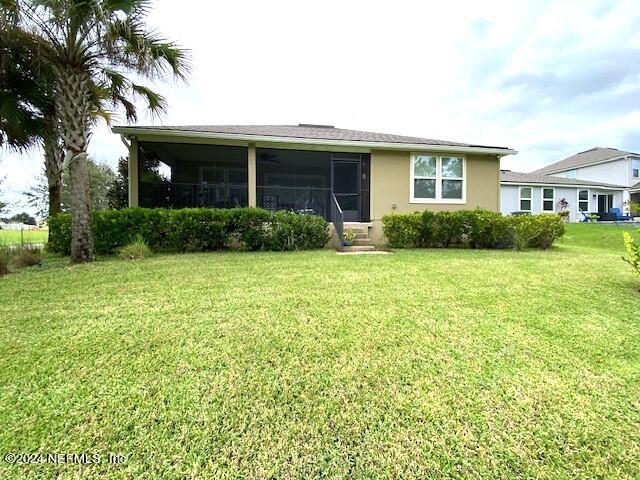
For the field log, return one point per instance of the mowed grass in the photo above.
(420, 364)
(15, 237)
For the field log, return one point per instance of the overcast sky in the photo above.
(547, 78)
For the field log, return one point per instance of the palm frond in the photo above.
(156, 103)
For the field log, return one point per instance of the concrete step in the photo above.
(361, 241)
(359, 248)
(358, 232)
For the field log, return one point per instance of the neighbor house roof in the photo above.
(588, 157)
(307, 133)
(635, 187)
(519, 178)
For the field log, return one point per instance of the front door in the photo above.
(346, 187)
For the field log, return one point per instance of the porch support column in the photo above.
(251, 171)
(133, 173)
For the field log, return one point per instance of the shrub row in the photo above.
(195, 229)
(471, 228)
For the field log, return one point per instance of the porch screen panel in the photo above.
(178, 175)
(294, 180)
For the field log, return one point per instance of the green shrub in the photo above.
(449, 228)
(633, 252)
(426, 229)
(536, 231)
(251, 227)
(472, 228)
(135, 250)
(403, 230)
(634, 208)
(491, 230)
(59, 234)
(195, 229)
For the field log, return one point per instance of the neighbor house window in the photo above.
(525, 199)
(635, 166)
(548, 199)
(437, 179)
(583, 200)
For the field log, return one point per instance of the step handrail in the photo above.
(337, 217)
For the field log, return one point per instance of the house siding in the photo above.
(390, 178)
(615, 172)
(390, 185)
(509, 199)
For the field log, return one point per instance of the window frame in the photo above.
(438, 178)
(588, 200)
(635, 168)
(542, 200)
(520, 198)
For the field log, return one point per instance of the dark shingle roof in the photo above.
(593, 155)
(306, 131)
(507, 176)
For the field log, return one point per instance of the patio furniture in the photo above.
(606, 217)
(585, 218)
(619, 215)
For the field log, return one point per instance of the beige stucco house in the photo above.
(347, 176)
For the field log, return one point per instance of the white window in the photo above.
(583, 200)
(548, 199)
(635, 167)
(525, 199)
(437, 179)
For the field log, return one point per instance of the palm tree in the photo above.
(27, 111)
(91, 46)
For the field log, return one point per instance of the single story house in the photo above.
(538, 193)
(344, 175)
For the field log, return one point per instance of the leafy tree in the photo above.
(150, 172)
(118, 194)
(90, 45)
(101, 180)
(22, 217)
(27, 110)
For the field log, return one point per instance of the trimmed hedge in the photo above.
(195, 230)
(471, 228)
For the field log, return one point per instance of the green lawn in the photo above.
(15, 237)
(424, 363)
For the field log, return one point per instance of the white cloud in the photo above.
(541, 77)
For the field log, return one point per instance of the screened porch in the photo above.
(183, 175)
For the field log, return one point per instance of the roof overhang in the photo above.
(130, 132)
(560, 185)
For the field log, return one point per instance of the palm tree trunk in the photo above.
(54, 200)
(73, 107)
(53, 171)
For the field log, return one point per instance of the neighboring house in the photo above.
(634, 193)
(309, 168)
(606, 165)
(536, 193)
